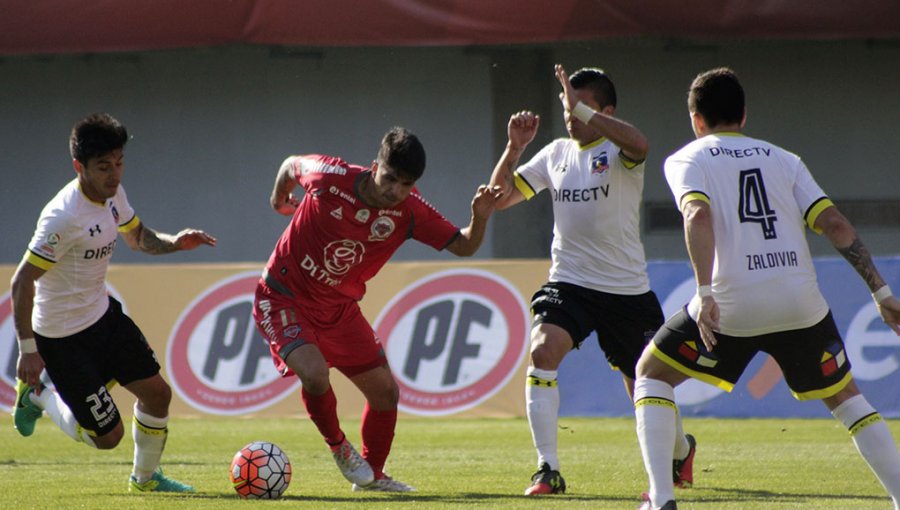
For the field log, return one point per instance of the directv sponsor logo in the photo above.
(453, 339)
(216, 358)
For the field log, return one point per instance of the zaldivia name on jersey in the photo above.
(580, 195)
(759, 261)
(739, 153)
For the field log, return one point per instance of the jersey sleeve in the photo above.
(311, 168)
(430, 226)
(54, 235)
(534, 176)
(811, 200)
(122, 211)
(686, 179)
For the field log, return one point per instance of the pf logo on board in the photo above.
(217, 360)
(453, 339)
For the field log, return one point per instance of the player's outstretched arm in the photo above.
(282, 199)
(521, 129)
(627, 137)
(483, 205)
(29, 364)
(838, 229)
(147, 240)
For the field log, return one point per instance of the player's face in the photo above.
(389, 187)
(579, 131)
(100, 177)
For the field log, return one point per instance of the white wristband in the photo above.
(583, 112)
(704, 291)
(27, 345)
(882, 294)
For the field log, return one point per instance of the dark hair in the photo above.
(96, 135)
(598, 82)
(402, 151)
(718, 97)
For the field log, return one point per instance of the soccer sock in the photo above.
(682, 447)
(322, 410)
(377, 435)
(873, 440)
(542, 408)
(655, 413)
(149, 433)
(52, 404)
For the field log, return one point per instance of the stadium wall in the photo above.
(456, 337)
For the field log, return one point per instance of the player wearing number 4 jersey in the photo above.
(351, 219)
(66, 322)
(598, 276)
(746, 204)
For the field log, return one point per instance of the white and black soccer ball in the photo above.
(260, 470)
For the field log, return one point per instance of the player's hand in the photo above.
(522, 128)
(567, 97)
(485, 201)
(889, 309)
(29, 368)
(708, 321)
(190, 238)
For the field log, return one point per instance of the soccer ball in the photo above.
(260, 470)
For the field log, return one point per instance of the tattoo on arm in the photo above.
(149, 241)
(859, 257)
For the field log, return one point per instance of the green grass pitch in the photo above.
(455, 464)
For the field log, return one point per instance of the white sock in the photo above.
(873, 440)
(655, 413)
(542, 408)
(52, 404)
(149, 433)
(682, 447)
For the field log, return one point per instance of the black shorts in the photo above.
(813, 360)
(624, 324)
(86, 365)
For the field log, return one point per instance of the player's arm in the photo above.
(282, 199)
(30, 364)
(701, 246)
(843, 236)
(483, 205)
(629, 139)
(521, 130)
(143, 238)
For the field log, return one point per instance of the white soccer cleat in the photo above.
(354, 468)
(386, 484)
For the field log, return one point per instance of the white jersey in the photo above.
(73, 242)
(596, 193)
(762, 198)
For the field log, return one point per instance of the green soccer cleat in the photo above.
(158, 483)
(26, 412)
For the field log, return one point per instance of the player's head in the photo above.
(594, 88)
(96, 135)
(717, 99)
(403, 152)
(96, 145)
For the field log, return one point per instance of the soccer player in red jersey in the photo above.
(344, 229)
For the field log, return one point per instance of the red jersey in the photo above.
(335, 243)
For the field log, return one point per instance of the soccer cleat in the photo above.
(26, 412)
(354, 468)
(158, 483)
(670, 505)
(385, 484)
(683, 470)
(546, 481)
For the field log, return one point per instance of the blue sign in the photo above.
(588, 387)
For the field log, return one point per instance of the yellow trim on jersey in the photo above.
(36, 260)
(700, 376)
(824, 392)
(693, 195)
(729, 133)
(592, 144)
(627, 162)
(523, 186)
(130, 225)
(815, 210)
(864, 422)
(89, 199)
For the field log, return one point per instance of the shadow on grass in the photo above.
(726, 495)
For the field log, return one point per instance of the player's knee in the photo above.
(111, 439)
(315, 383)
(544, 356)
